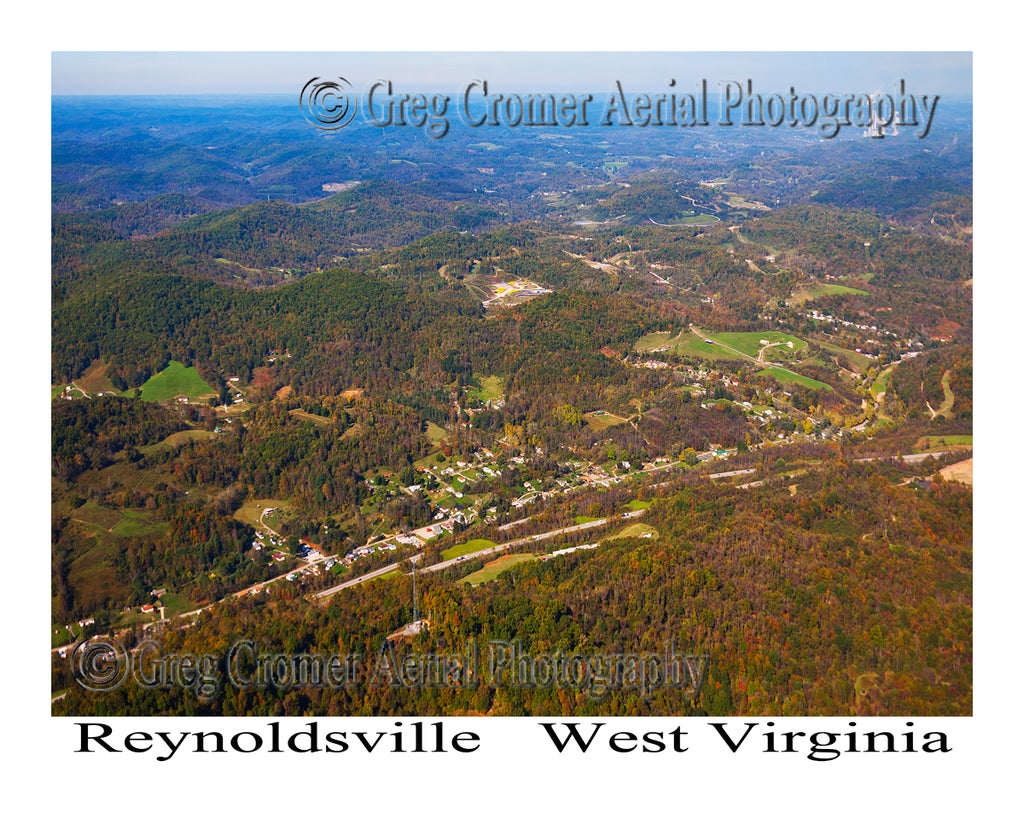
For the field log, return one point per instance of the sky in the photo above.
(241, 72)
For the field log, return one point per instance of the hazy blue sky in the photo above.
(944, 73)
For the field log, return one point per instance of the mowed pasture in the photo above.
(881, 383)
(750, 343)
(435, 434)
(491, 389)
(174, 380)
(636, 530)
(858, 362)
(725, 346)
(135, 523)
(786, 377)
(94, 380)
(491, 570)
(176, 604)
(809, 292)
(176, 439)
(251, 511)
(686, 343)
(600, 420)
(943, 442)
(467, 548)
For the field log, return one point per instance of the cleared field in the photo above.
(942, 442)
(392, 573)
(784, 377)
(882, 381)
(176, 439)
(94, 380)
(638, 504)
(491, 388)
(176, 604)
(657, 342)
(698, 219)
(600, 420)
(686, 343)
(95, 516)
(496, 567)
(429, 460)
(962, 472)
(467, 548)
(813, 291)
(858, 362)
(308, 416)
(134, 523)
(947, 397)
(250, 512)
(636, 530)
(175, 379)
(436, 434)
(713, 348)
(737, 201)
(750, 343)
(62, 635)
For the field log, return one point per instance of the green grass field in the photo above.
(491, 389)
(175, 379)
(134, 523)
(176, 439)
(784, 377)
(697, 219)
(135, 617)
(601, 420)
(467, 548)
(496, 567)
(392, 573)
(750, 343)
(636, 530)
(437, 435)
(176, 604)
(813, 291)
(584, 519)
(942, 442)
(882, 381)
(858, 362)
(62, 636)
(94, 515)
(250, 512)
(686, 343)
(638, 504)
